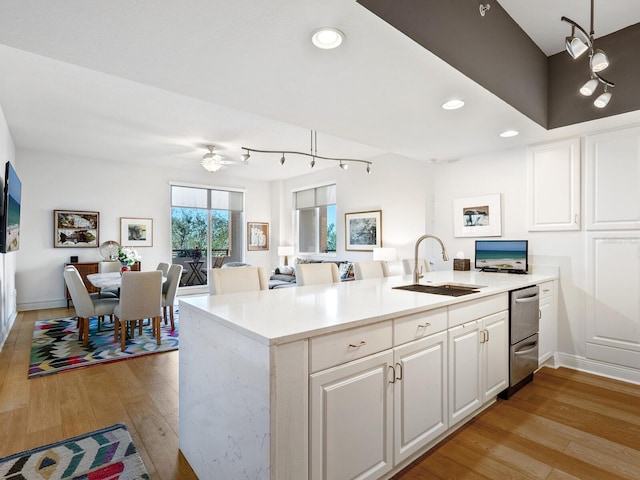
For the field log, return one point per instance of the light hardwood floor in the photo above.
(566, 425)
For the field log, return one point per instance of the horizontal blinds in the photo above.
(315, 197)
(190, 197)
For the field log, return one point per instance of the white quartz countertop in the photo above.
(289, 314)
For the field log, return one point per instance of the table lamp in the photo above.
(285, 251)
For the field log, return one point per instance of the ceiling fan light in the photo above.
(603, 100)
(575, 46)
(588, 88)
(210, 165)
(599, 61)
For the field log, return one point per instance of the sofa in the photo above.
(285, 276)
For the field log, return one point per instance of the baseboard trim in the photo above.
(596, 367)
(23, 307)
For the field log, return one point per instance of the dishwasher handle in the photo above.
(530, 298)
(532, 347)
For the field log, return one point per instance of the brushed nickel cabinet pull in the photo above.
(424, 325)
(393, 374)
(361, 344)
(401, 369)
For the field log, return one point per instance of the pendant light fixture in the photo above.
(598, 60)
(313, 153)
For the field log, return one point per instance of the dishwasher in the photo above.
(524, 318)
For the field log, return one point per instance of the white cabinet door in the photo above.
(351, 417)
(464, 371)
(495, 354)
(548, 329)
(611, 180)
(553, 186)
(420, 393)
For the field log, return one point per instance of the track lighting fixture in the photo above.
(245, 156)
(313, 153)
(598, 60)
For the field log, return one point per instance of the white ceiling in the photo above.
(153, 81)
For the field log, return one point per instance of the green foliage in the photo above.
(189, 229)
(331, 237)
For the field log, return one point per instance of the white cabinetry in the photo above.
(548, 328)
(612, 176)
(351, 416)
(553, 186)
(478, 363)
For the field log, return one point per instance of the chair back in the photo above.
(369, 269)
(393, 268)
(78, 291)
(107, 267)
(140, 295)
(164, 268)
(422, 263)
(170, 287)
(234, 280)
(317, 273)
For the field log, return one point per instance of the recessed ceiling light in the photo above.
(509, 133)
(453, 104)
(327, 37)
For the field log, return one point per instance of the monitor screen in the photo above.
(502, 255)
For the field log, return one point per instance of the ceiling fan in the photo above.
(213, 161)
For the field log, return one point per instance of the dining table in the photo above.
(109, 279)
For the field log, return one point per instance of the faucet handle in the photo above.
(420, 274)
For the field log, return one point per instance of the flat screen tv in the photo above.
(10, 224)
(502, 255)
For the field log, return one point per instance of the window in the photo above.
(316, 219)
(206, 227)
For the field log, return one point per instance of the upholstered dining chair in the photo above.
(240, 279)
(164, 268)
(86, 306)
(317, 273)
(169, 289)
(369, 269)
(140, 298)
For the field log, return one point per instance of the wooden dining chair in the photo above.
(169, 290)
(240, 279)
(140, 298)
(86, 306)
(317, 274)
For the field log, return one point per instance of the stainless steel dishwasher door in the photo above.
(525, 313)
(524, 359)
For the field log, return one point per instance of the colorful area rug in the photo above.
(55, 346)
(107, 454)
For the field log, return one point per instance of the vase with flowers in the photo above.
(127, 256)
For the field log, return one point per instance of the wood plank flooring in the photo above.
(566, 425)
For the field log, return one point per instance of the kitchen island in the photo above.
(338, 381)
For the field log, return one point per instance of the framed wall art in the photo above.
(136, 232)
(257, 236)
(363, 230)
(477, 216)
(73, 228)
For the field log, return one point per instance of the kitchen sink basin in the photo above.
(451, 289)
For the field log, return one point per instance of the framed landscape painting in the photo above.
(136, 232)
(363, 230)
(72, 228)
(477, 216)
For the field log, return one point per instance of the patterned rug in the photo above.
(55, 346)
(107, 454)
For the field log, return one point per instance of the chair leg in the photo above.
(123, 334)
(85, 331)
(173, 325)
(157, 321)
(116, 327)
(164, 313)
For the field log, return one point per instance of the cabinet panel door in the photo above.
(553, 186)
(464, 371)
(548, 336)
(495, 354)
(420, 393)
(612, 176)
(351, 416)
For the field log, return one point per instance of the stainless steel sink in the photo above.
(451, 289)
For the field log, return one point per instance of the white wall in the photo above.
(400, 187)
(52, 182)
(8, 260)
(506, 173)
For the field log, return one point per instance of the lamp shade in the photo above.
(589, 87)
(384, 253)
(603, 100)
(575, 46)
(599, 61)
(285, 251)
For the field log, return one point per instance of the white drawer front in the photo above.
(546, 289)
(342, 347)
(419, 325)
(472, 310)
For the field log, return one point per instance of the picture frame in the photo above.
(76, 229)
(363, 230)
(257, 236)
(136, 232)
(479, 216)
